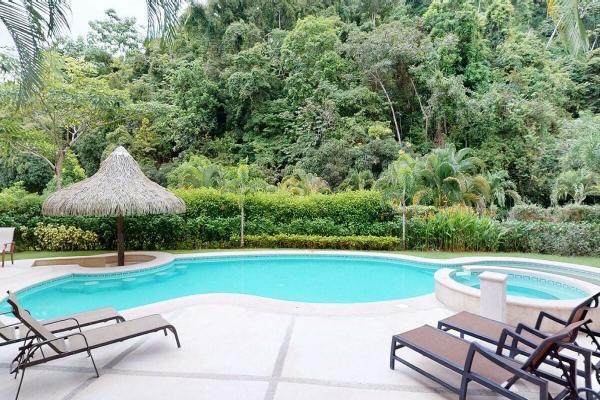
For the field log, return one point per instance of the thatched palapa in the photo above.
(118, 189)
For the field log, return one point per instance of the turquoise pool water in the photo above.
(524, 286)
(305, 278)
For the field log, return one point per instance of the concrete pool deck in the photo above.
(244, 347)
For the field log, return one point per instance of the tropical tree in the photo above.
(576, 185)
(241, 182)
(197, 172)
(358, 180)
(34, 23)
(501, 188)
(398, 185)
(52, 121)
(299, 182)
(568, 23)
(447, 178)
(386, 54)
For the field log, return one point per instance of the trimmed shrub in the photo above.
(529, 212)
(323, 242)
(561, 238)
(61, 237)
(567, 213)
(577, 213)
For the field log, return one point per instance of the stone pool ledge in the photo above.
(461, 297)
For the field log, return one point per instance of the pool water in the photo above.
(304, 278)
(524, 286)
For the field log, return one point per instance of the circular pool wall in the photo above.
(463, 297)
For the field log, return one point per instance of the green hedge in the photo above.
(567, 213)
(324, 242)
(212, 220)
(563, 238)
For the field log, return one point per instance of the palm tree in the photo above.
(356, 180)
(575, 184)
(568, 23)
(33, 23)
(446, 175)
(300, 182)
(398, 185)
(243, 184)
(501, 188)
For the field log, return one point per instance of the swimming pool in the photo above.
(303, 277)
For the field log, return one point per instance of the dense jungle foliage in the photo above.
(433, 103)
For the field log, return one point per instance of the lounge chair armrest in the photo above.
(516, 338)
(39, 344)
(544, 315)
(524, 327)
(476, 348)
(49, 324)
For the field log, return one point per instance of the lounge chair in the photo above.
(488, 330)
(475, 363)
(7, 244)
(17, 332)
(43, 346)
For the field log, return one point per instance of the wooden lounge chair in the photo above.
(43, 346)
(7, 244)
(475, 363)
(488, 330)
(17, 332)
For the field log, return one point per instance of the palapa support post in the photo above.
(120, 242)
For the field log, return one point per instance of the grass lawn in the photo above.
(584, 260)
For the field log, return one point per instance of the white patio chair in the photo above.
(7, 244)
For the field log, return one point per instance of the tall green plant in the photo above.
(398, 185)
(447, 177)
(242, 184)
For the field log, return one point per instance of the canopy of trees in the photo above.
(318, 96)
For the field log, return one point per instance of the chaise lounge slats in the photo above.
(491, 369)
(116, 333)
(7, 333)
(454, 351)
(18, 332)
(43, 346)
(485, 328)
(490, 331)
(84, 319)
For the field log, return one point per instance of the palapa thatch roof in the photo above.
(118, 188)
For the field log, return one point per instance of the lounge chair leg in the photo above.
(165, 332)
(392, 354)
(172, 329)
(464, 384)
(94, 364)
(20, 383)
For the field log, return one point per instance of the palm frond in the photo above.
(163, 18)
(570, 27)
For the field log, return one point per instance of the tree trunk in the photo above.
(392, 110)
(425, 117)
(403, 227)
(120, 242)
(60, 158)
(242, 218)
